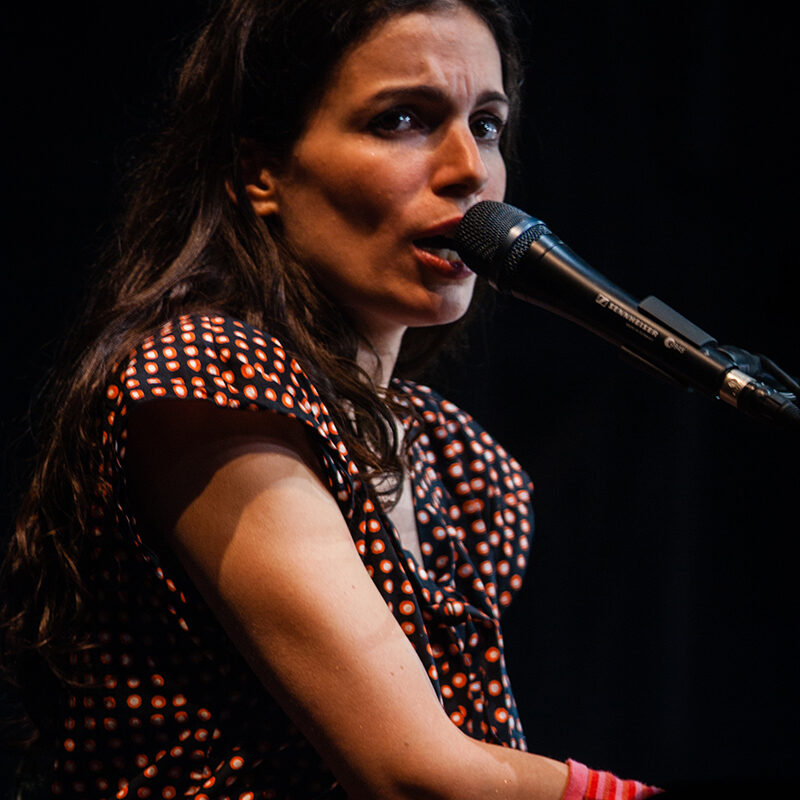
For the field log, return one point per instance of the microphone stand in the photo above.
(754, 384)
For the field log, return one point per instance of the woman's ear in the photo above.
(260, 184)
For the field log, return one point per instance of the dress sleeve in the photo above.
(227, 362)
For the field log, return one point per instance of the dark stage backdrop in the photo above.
(656, 635)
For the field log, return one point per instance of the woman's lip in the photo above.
(446, 228)
(449, 269)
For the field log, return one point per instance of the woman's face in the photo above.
(403, 142)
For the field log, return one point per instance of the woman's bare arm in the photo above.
(238, 497)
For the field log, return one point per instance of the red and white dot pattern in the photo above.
(169, 708)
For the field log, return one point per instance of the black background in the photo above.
(656, 635)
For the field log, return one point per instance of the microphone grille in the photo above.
(482, 236)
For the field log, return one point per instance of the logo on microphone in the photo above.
(637, 323)
(673, 344)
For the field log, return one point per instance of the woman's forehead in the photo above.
(438, 46)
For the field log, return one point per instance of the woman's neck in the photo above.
(379, 359)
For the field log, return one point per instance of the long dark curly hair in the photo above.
(255, 72)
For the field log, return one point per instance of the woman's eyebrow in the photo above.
(432, 93)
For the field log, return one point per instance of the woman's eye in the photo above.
(488, 129)
(395, 121)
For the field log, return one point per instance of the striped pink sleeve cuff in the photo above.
(587, 784)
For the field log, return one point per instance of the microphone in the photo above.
(518, 254)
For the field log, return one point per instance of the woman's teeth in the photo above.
(441, 252)
(440, 246)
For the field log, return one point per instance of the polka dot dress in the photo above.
(166, 707)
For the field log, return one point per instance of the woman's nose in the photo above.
(460, 166)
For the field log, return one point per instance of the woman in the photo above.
(256, 562)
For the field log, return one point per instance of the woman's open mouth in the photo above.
(439, 252)
(440, 246)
